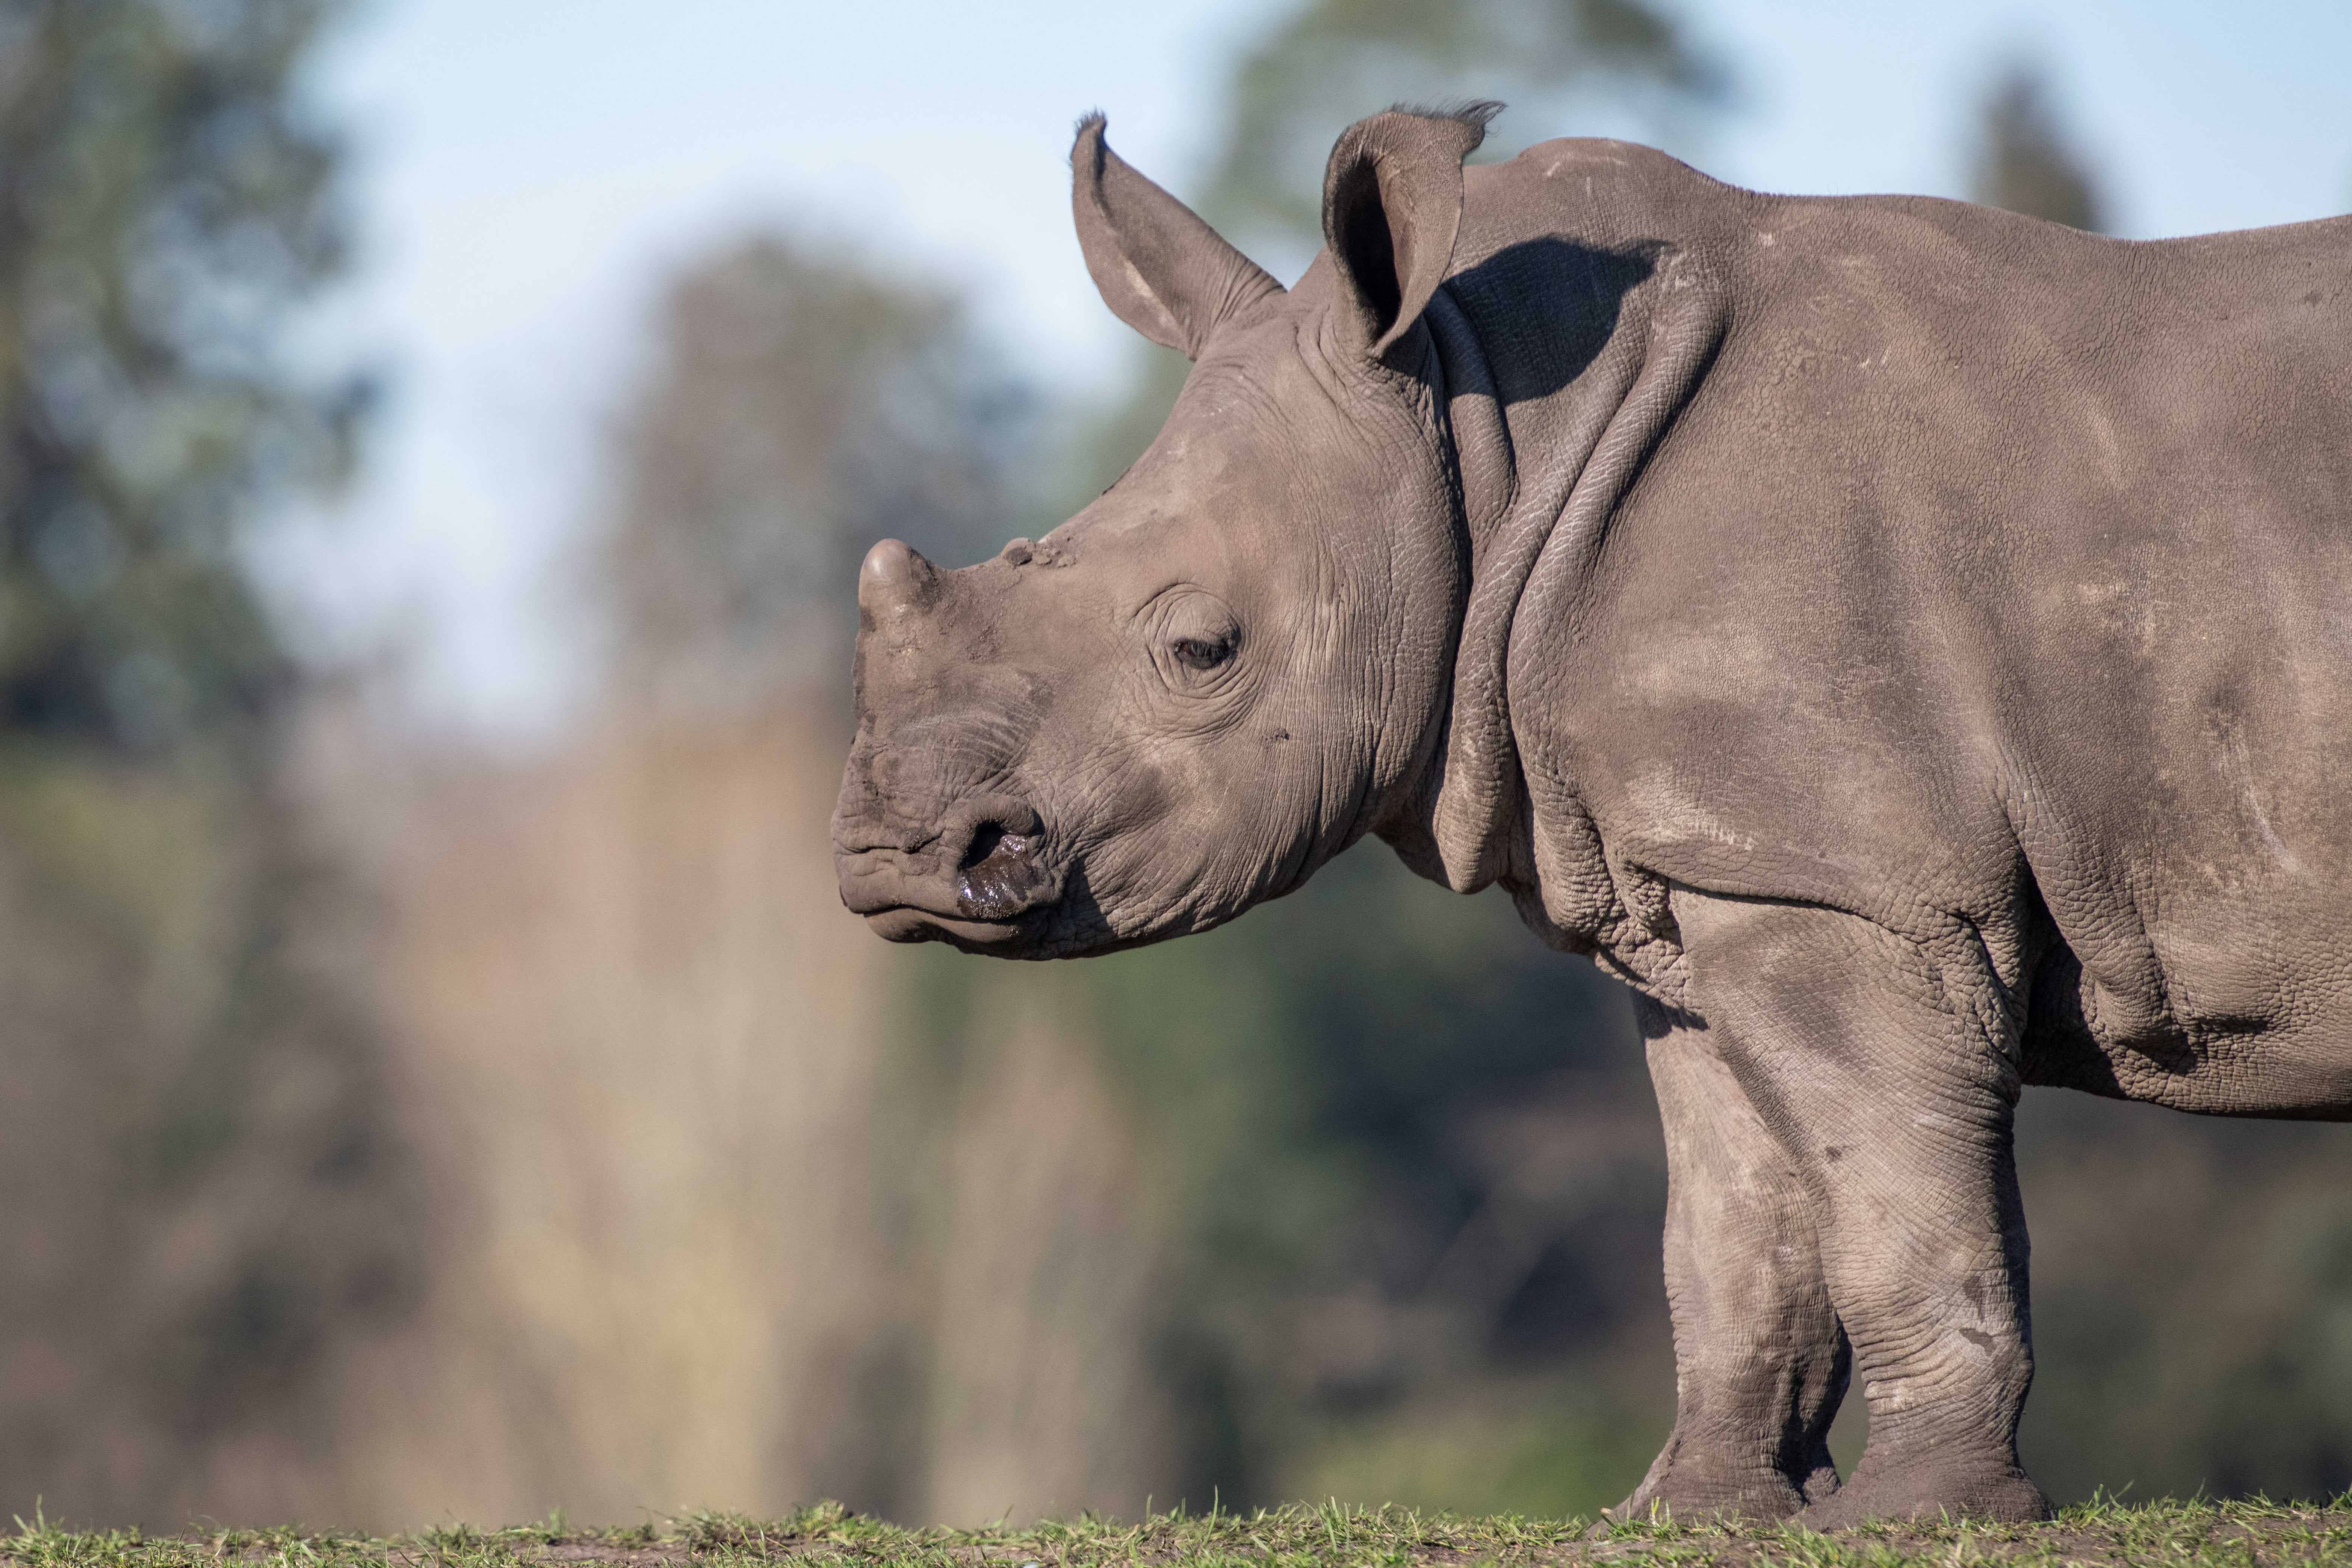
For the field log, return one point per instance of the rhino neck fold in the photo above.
(1541, 477)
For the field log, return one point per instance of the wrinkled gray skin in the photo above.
(1911, 643)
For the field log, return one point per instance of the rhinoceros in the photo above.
(1909, 643)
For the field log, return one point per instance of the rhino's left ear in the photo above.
(1391, 204)
(1162, 269)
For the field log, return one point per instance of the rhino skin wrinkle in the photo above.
(1910, 643)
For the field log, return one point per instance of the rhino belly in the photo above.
(2225, 1008)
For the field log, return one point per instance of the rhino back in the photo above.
(1999, 575)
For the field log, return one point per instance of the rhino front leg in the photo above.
(1884, 1074)
(1759, 1359)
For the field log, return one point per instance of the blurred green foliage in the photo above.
(165, 205)
(203, 1188)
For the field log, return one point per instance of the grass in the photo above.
(2193, 1534)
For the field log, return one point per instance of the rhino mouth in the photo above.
(985, 881)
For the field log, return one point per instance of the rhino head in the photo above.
(1234, 663)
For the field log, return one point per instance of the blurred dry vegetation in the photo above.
(392, 1133)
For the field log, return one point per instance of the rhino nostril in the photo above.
(999, 875)
(994, 841)
(985, 841)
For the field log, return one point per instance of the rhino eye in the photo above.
(1194, 639)
(1201, 653)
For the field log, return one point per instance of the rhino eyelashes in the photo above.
(1202, 653)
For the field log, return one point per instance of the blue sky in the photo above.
(528, 170)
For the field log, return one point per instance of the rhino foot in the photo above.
(1931, 1488)
(1691, 1493)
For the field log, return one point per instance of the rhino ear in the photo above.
(1391, 204)
(1162, 269)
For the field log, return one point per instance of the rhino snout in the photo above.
(974, 880)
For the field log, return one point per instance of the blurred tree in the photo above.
(164, 205)
(979, 1350)
(2024, 159)
(199, 1188)
(803, 406)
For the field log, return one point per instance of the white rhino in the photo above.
(1910, 643)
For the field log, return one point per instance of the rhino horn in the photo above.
(1162, 269)
(1392, 205)
(895, 580)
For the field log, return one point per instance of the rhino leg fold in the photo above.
(1872, 1060)
(1760, 1362)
